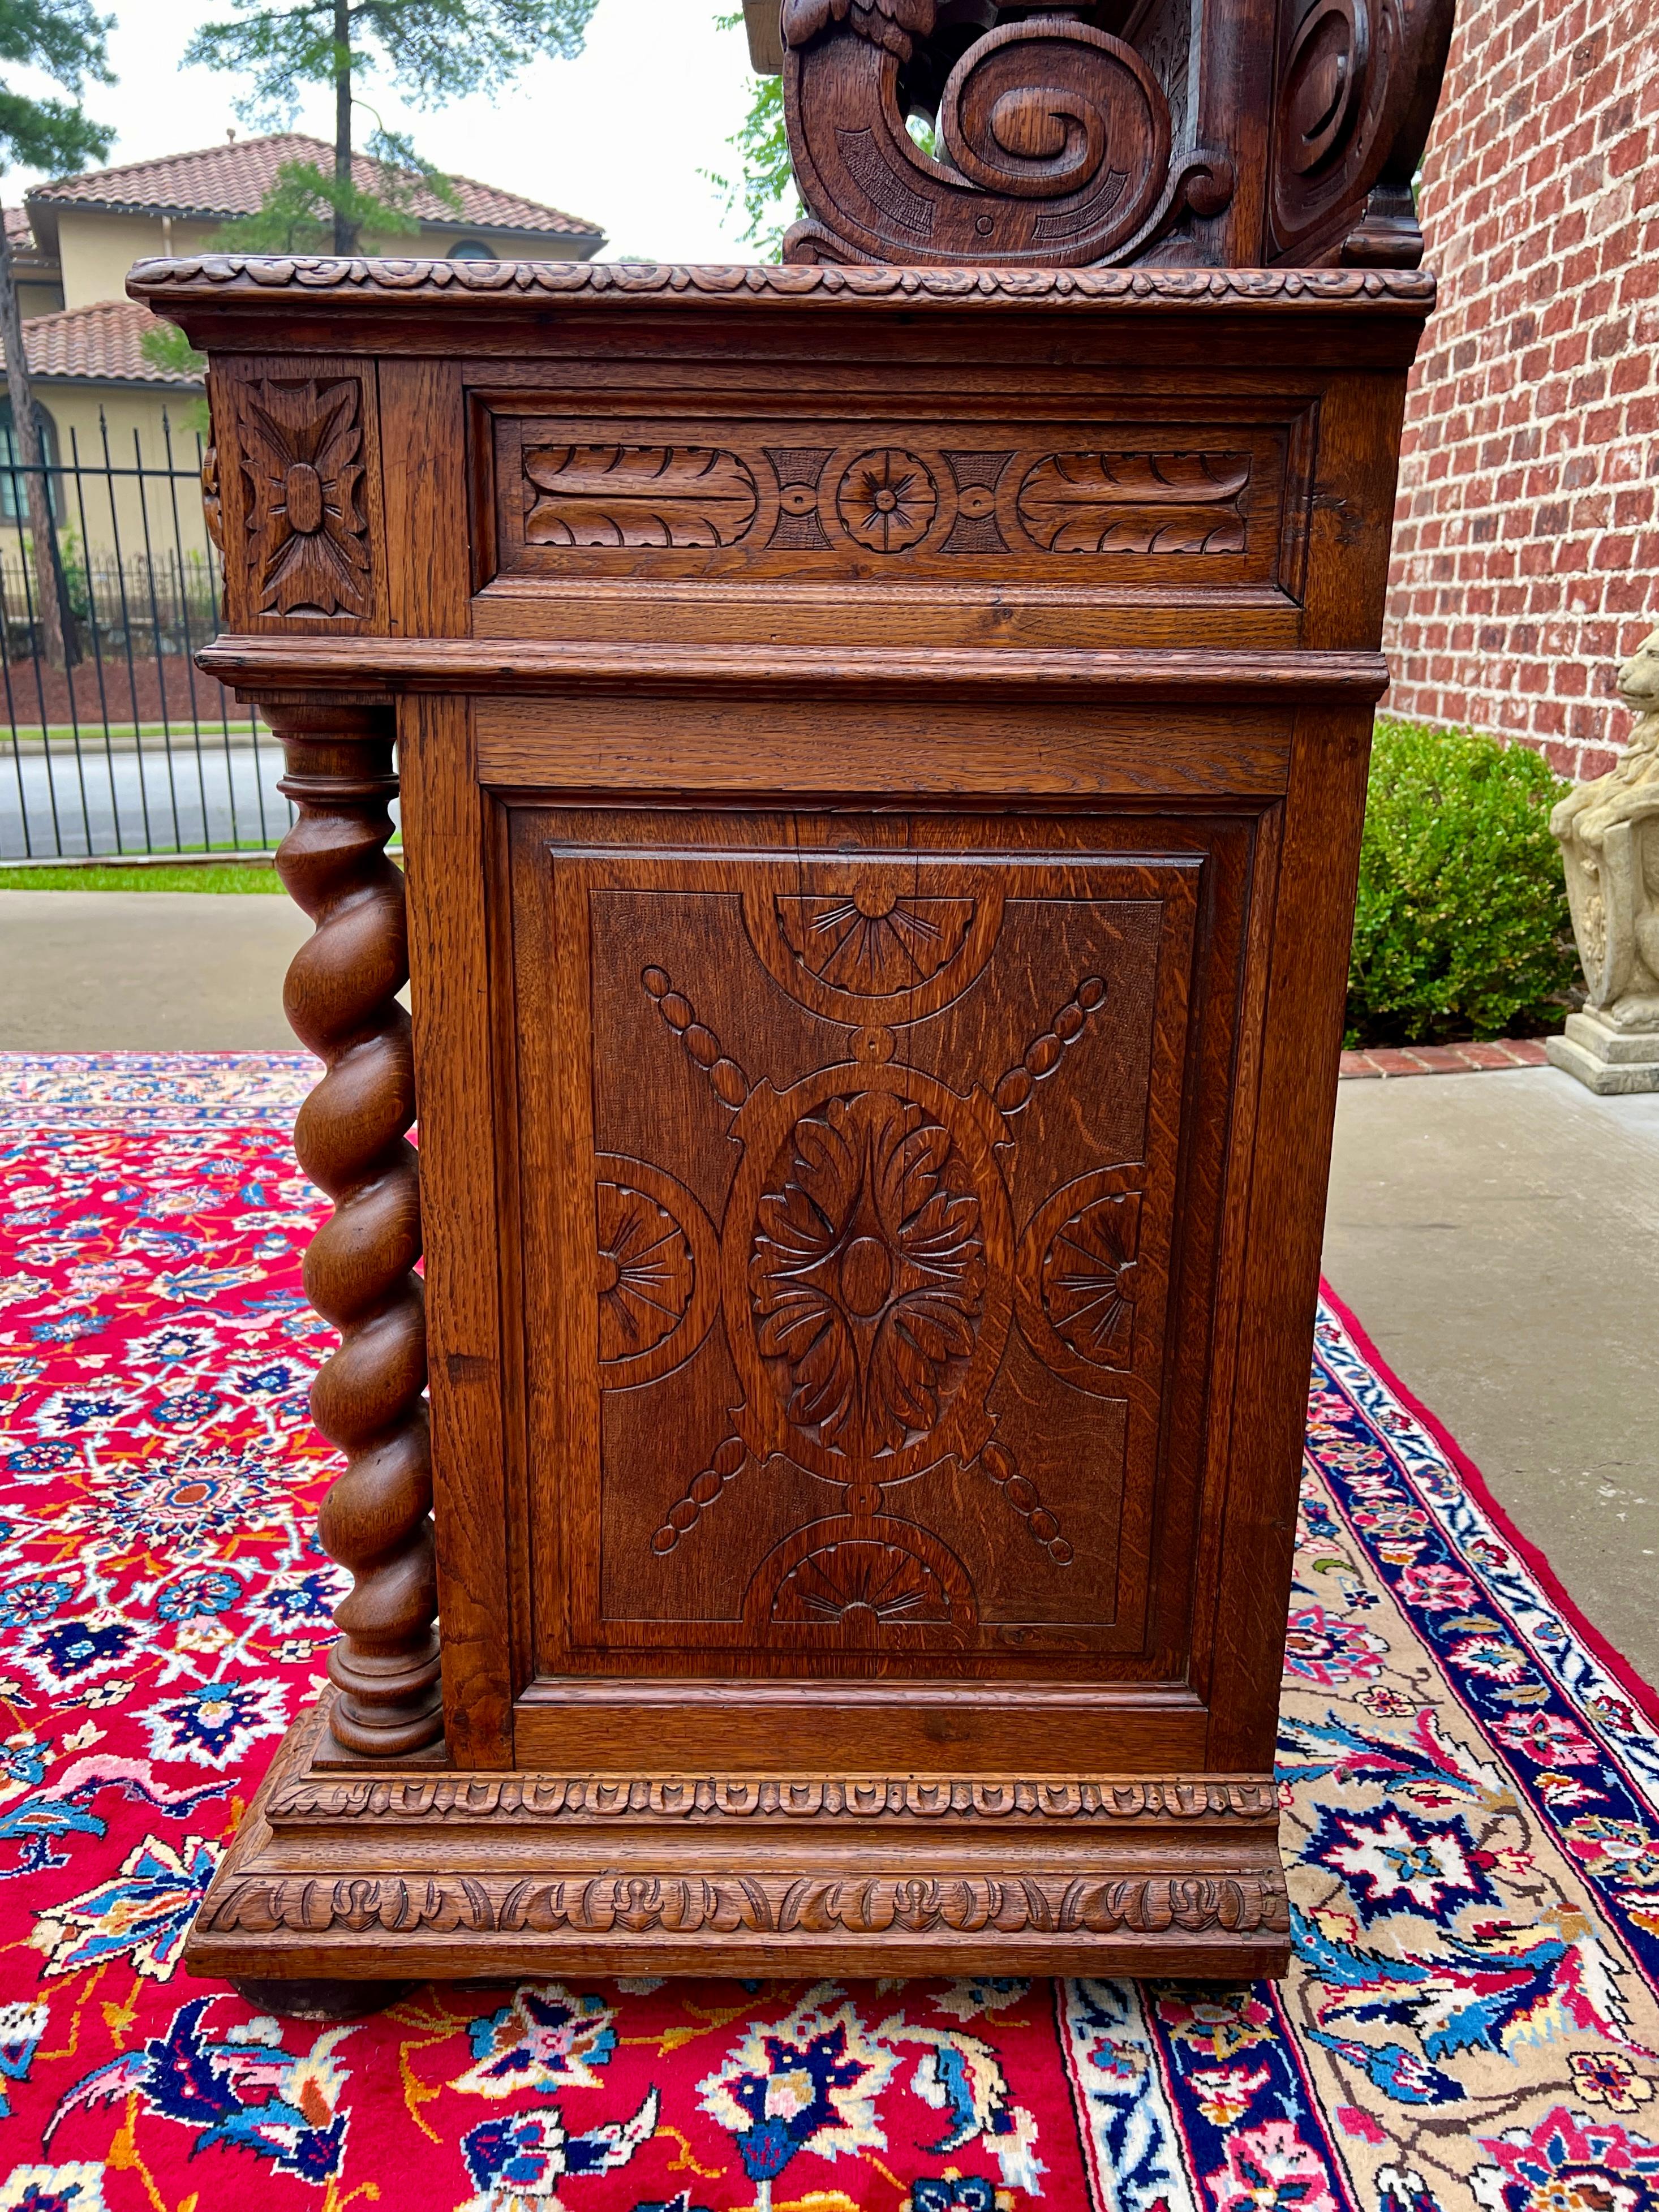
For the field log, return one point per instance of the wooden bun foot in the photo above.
(338, 2000)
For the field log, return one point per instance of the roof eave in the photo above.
(67, 380)
(156, 212)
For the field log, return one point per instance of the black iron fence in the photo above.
(113, 742)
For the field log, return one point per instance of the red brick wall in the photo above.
(1526, 556)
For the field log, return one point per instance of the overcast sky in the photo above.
(619, 136)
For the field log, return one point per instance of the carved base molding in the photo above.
(383, 1876)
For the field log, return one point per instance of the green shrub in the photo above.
(1462, 928)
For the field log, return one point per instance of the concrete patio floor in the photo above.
(145, 971)
(1498, 1237)
(1498, 1234)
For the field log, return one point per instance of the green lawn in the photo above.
(213, 876)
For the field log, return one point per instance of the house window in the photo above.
(14, 488)
(471, 249)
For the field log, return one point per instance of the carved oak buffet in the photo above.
(882, 753)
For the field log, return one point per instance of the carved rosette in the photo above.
(887, 499)
(368, 1398)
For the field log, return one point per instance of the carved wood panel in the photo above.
(1077, 502)
(307, 533)
(853, 1265)
(296, 494)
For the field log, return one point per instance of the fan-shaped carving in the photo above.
(1088, 1280)
(860, 1583)
(645, 1272)
(871, 943)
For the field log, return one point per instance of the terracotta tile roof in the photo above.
(103, 344)
(233, 180)
(18, 230)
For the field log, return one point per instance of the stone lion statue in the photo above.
(1609, 835)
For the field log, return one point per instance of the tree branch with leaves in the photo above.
(430, 51)
(764, 194)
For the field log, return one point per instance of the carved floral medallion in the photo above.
(307, 532)
(852, 1258)
(868, 1274)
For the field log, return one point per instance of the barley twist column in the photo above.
(340, 996)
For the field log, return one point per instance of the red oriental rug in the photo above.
(1471, 1783)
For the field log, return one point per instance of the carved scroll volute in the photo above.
(341, 998)
(1357, 83)
(1055, 135)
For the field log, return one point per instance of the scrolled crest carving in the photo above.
(1358, 81)
(1054, 136)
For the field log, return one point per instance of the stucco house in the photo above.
(73, 241)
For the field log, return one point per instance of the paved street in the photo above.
(161, 801)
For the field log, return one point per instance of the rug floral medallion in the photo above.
(1470, 1784)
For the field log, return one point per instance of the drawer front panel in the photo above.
(852, 1179)
(1137, 501)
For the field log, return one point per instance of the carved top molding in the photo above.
(214, 276)
(609, 1798)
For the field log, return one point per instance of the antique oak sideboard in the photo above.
(881, 755)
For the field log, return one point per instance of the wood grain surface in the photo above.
(881, 754)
